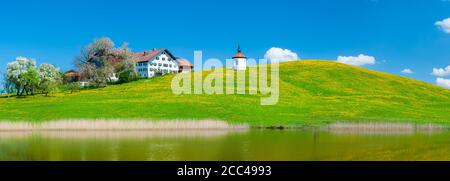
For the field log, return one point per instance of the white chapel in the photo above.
(239, 60)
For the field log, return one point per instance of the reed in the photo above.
(79, 125)
(381, 128)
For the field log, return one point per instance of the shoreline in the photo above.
(192, 125)
(120, 134)
(103, 128)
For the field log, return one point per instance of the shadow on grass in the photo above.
(24, 96)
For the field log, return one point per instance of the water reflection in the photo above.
(250, 144)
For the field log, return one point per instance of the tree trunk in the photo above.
(21, 92)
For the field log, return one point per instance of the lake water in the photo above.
(253, 144)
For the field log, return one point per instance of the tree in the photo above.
(107, 71)
(88, 72)
(100, 47)
(30, 81)
(100, 61)
(92, 58)
(126, 70)
(21, 75)
(100, 78)
(49, 78)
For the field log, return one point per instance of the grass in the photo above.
(311, 93)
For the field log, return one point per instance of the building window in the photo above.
(160, 64)
(157, 58)
(163, 59)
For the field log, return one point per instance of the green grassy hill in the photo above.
(311, 93)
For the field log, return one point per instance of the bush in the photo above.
(48, 86)
(73, 87)
(128, 76)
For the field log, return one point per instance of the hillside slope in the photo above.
(311, 93)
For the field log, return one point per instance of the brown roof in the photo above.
(184, 62)
(72, 73)
(239, 55)
(138, 56)
(147, 55)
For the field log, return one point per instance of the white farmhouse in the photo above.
(159, 62)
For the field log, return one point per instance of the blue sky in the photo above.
(399, 34)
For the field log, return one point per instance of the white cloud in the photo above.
(442, 72)
(281, 55)
(407, 71)
(444, 25)
(443, 82)
(360, 60)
